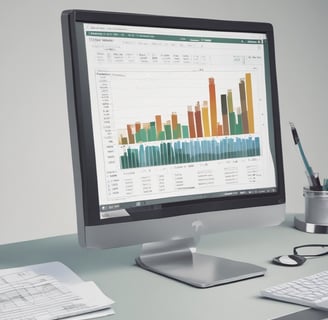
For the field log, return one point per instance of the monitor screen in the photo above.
(170, 117)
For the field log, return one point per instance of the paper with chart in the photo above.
(49, 291)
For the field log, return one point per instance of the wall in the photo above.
(36, 183)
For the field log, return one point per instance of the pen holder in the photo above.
(316, 206)
(315, 219)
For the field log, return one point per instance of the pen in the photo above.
(312, 177)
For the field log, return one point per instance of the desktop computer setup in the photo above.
(175, 133)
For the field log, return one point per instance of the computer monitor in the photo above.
(175, 133)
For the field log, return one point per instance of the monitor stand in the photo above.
(178, 259)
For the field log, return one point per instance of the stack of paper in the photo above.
(49, 291)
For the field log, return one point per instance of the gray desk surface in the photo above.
(144, 295)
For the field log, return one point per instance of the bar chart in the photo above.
(214, 129)
(180, 151)
(203, 118)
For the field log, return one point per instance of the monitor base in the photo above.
(199, 270)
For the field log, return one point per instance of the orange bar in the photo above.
(220, 129)
(129, 129)
(138, 126)
(205, 117)
(198, 120)
(249, 99)
(213, 110)
(225, 124)
(130, 133)
(174, 119)
(191, 122)
(159, 126)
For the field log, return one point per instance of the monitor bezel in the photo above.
(84, 164)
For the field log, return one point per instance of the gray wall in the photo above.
(36, 183)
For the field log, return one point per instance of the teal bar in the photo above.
(186, 152)
(197, 151)
(257, 146)
(153, 156)
(163, 153)
(157, 156)
(170, 153)
(177, 151)
(230, 148)
(124, 161)
(224, 151)
(129, 158)
(191, 152)
(185, 132)
(135, 158)
(142, 156)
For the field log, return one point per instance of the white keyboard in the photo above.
(310, 291)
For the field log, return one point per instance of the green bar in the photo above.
(185, 132)
(177, 132)
(168, 131)
(143, 135)
(161, 136)
(239, 126)
(138, 137)
(232, 117)
(152, 134)
(179, 129)
(232, 121)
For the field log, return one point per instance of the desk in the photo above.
(144, 295)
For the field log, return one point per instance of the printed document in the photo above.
(49, 291)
